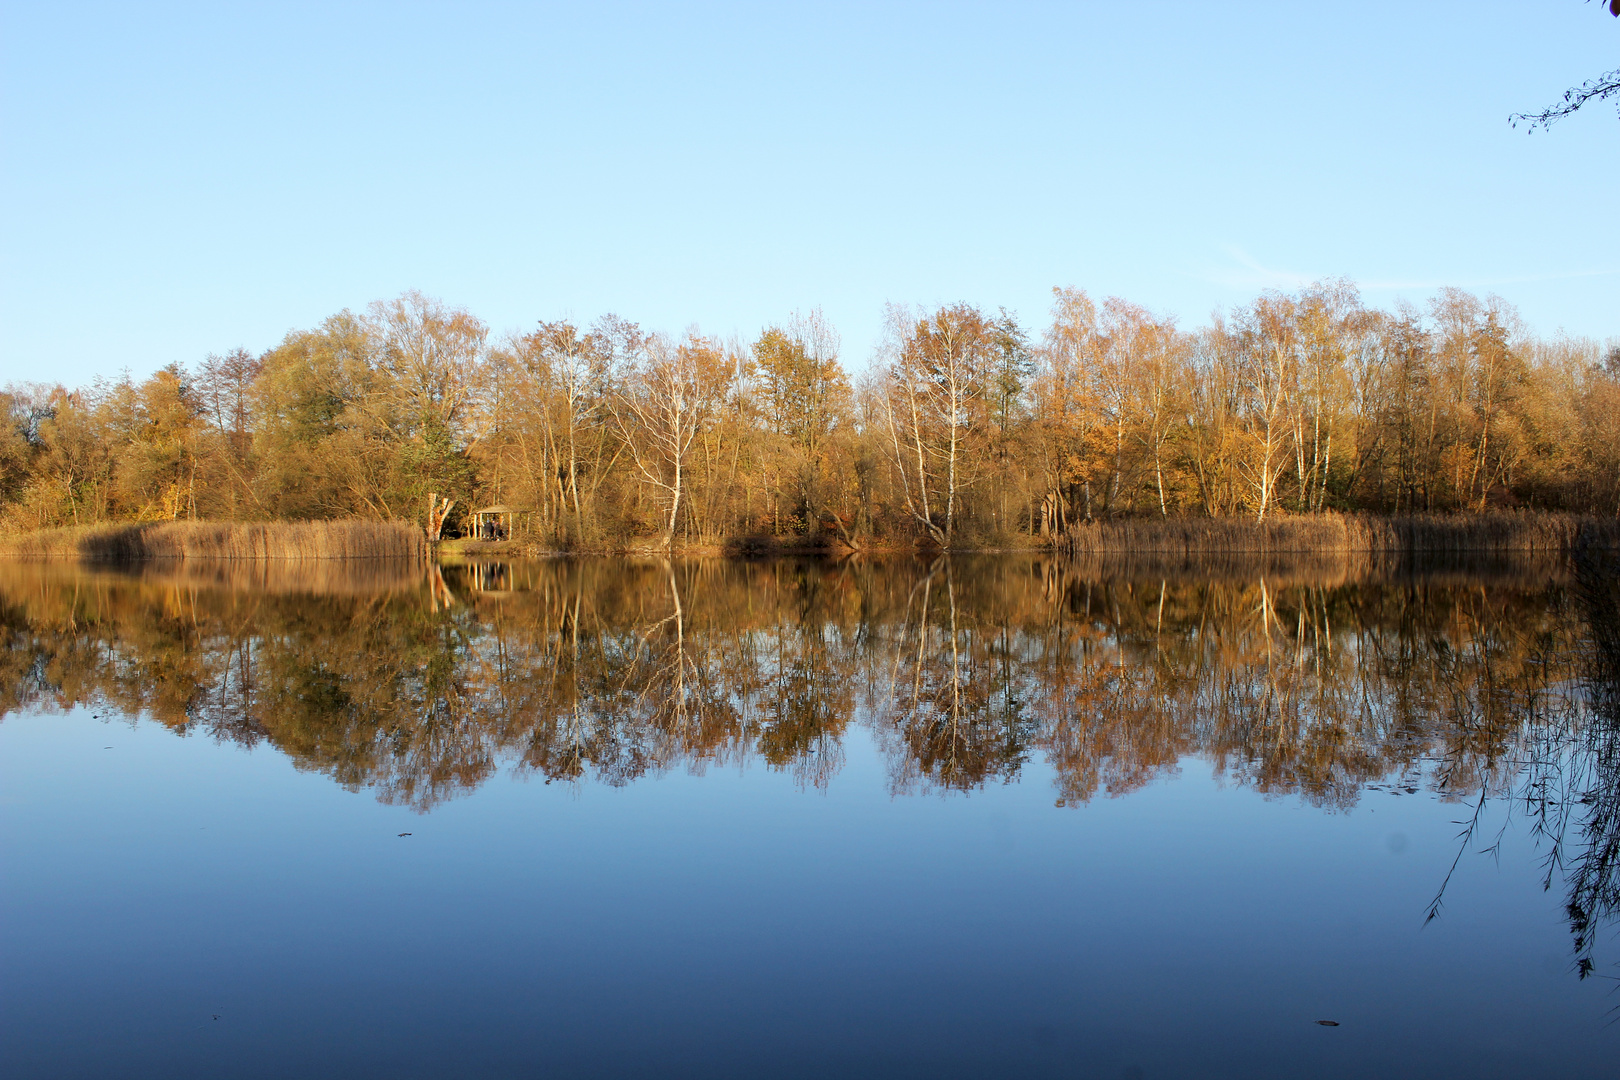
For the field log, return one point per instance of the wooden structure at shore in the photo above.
(496, 522)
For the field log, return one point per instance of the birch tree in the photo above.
(664, 403)
(1267, 344)
(936, 389)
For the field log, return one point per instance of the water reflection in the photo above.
(420, 686)
(1570, 783)
(1594, 895)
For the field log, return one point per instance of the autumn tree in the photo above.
(225, 391)
(665, 400)
(561, 378)
(803, 393)
(1065, 410)
(938, 377)
(325, 446)
(1266, 349)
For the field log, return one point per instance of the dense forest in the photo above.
(966, 427)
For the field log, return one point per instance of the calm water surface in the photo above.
(975, 818)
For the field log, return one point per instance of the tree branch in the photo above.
(1601, 88)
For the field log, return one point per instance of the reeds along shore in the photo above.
(1317, 543)
(258, 540)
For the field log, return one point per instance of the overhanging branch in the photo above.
(1602, 88)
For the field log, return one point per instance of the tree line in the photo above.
(966, 427)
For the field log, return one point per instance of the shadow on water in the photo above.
(420, 684)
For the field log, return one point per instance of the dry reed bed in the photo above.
(289, 540)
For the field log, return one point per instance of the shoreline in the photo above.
(1186, 541)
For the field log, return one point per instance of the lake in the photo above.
(967, 817)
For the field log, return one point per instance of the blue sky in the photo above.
(182, 180)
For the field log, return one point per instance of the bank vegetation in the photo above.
(298, 541)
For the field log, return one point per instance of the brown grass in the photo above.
(300, 540)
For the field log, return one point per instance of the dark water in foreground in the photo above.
(981, 818)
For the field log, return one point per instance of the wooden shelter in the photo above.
(494, 522)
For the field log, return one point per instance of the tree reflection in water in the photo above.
(420, 687)
(1594, 890)
(1570, 785)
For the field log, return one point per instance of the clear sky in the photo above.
(182, 180)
